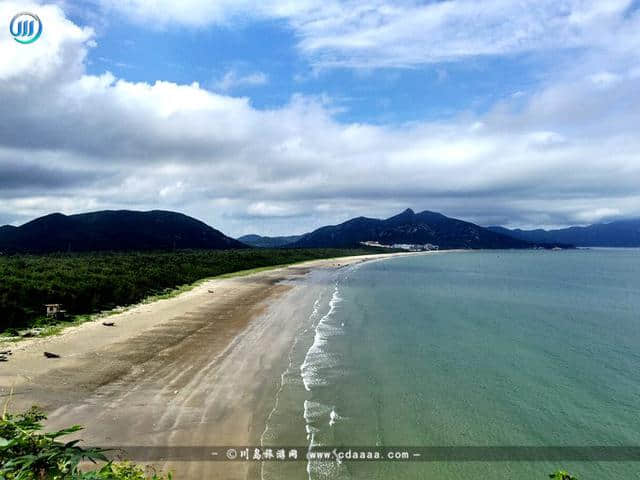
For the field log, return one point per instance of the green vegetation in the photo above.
(562, 475)
(26, 453)
(93, 282)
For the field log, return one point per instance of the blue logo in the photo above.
(25, 27)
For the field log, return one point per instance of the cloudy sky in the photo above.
(278, 117)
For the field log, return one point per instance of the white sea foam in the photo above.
(333, 417)
(317, 357)
(316, 413)
(316, 360)
(313, 414)
(283, 377)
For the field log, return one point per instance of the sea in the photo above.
(500, 349)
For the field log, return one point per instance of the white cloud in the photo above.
(198, 13)
(72, 141)
(271, 209)
(60, 51)
(605, 79)
(597, 215)
(231, 79)
(384, 33)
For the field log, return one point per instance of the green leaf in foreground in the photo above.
(28, 454)
(562, 475)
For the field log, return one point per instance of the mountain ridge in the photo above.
(408, 227)
(121, 230)
(619, 233)
(113, 230)
(263, 241)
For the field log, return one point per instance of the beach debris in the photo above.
(51, 355)
(109, 324)
(32, 332)
(211, 291)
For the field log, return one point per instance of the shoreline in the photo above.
(78, 320)
(70, 326)
(186, 370)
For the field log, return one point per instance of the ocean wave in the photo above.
(269, 434)
(327, 469)
(317, 358)
(317, 369)
(333, 417)
(317, 414)
(313, 412)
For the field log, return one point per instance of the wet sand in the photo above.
(199, 369)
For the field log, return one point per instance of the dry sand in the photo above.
(195, 370)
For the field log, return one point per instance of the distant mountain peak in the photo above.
(408, 227)
(405, 215)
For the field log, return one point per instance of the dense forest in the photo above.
(91, 282)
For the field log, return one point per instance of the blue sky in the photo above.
(268, 47)
(280, 116)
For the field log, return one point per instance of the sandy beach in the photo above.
(198, 369)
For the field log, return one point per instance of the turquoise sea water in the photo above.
(501, 348)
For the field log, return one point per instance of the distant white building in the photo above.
(55, 310)
(410, 247)
(374, 244)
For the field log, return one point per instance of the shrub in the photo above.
(562, 475)
(26, 453)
